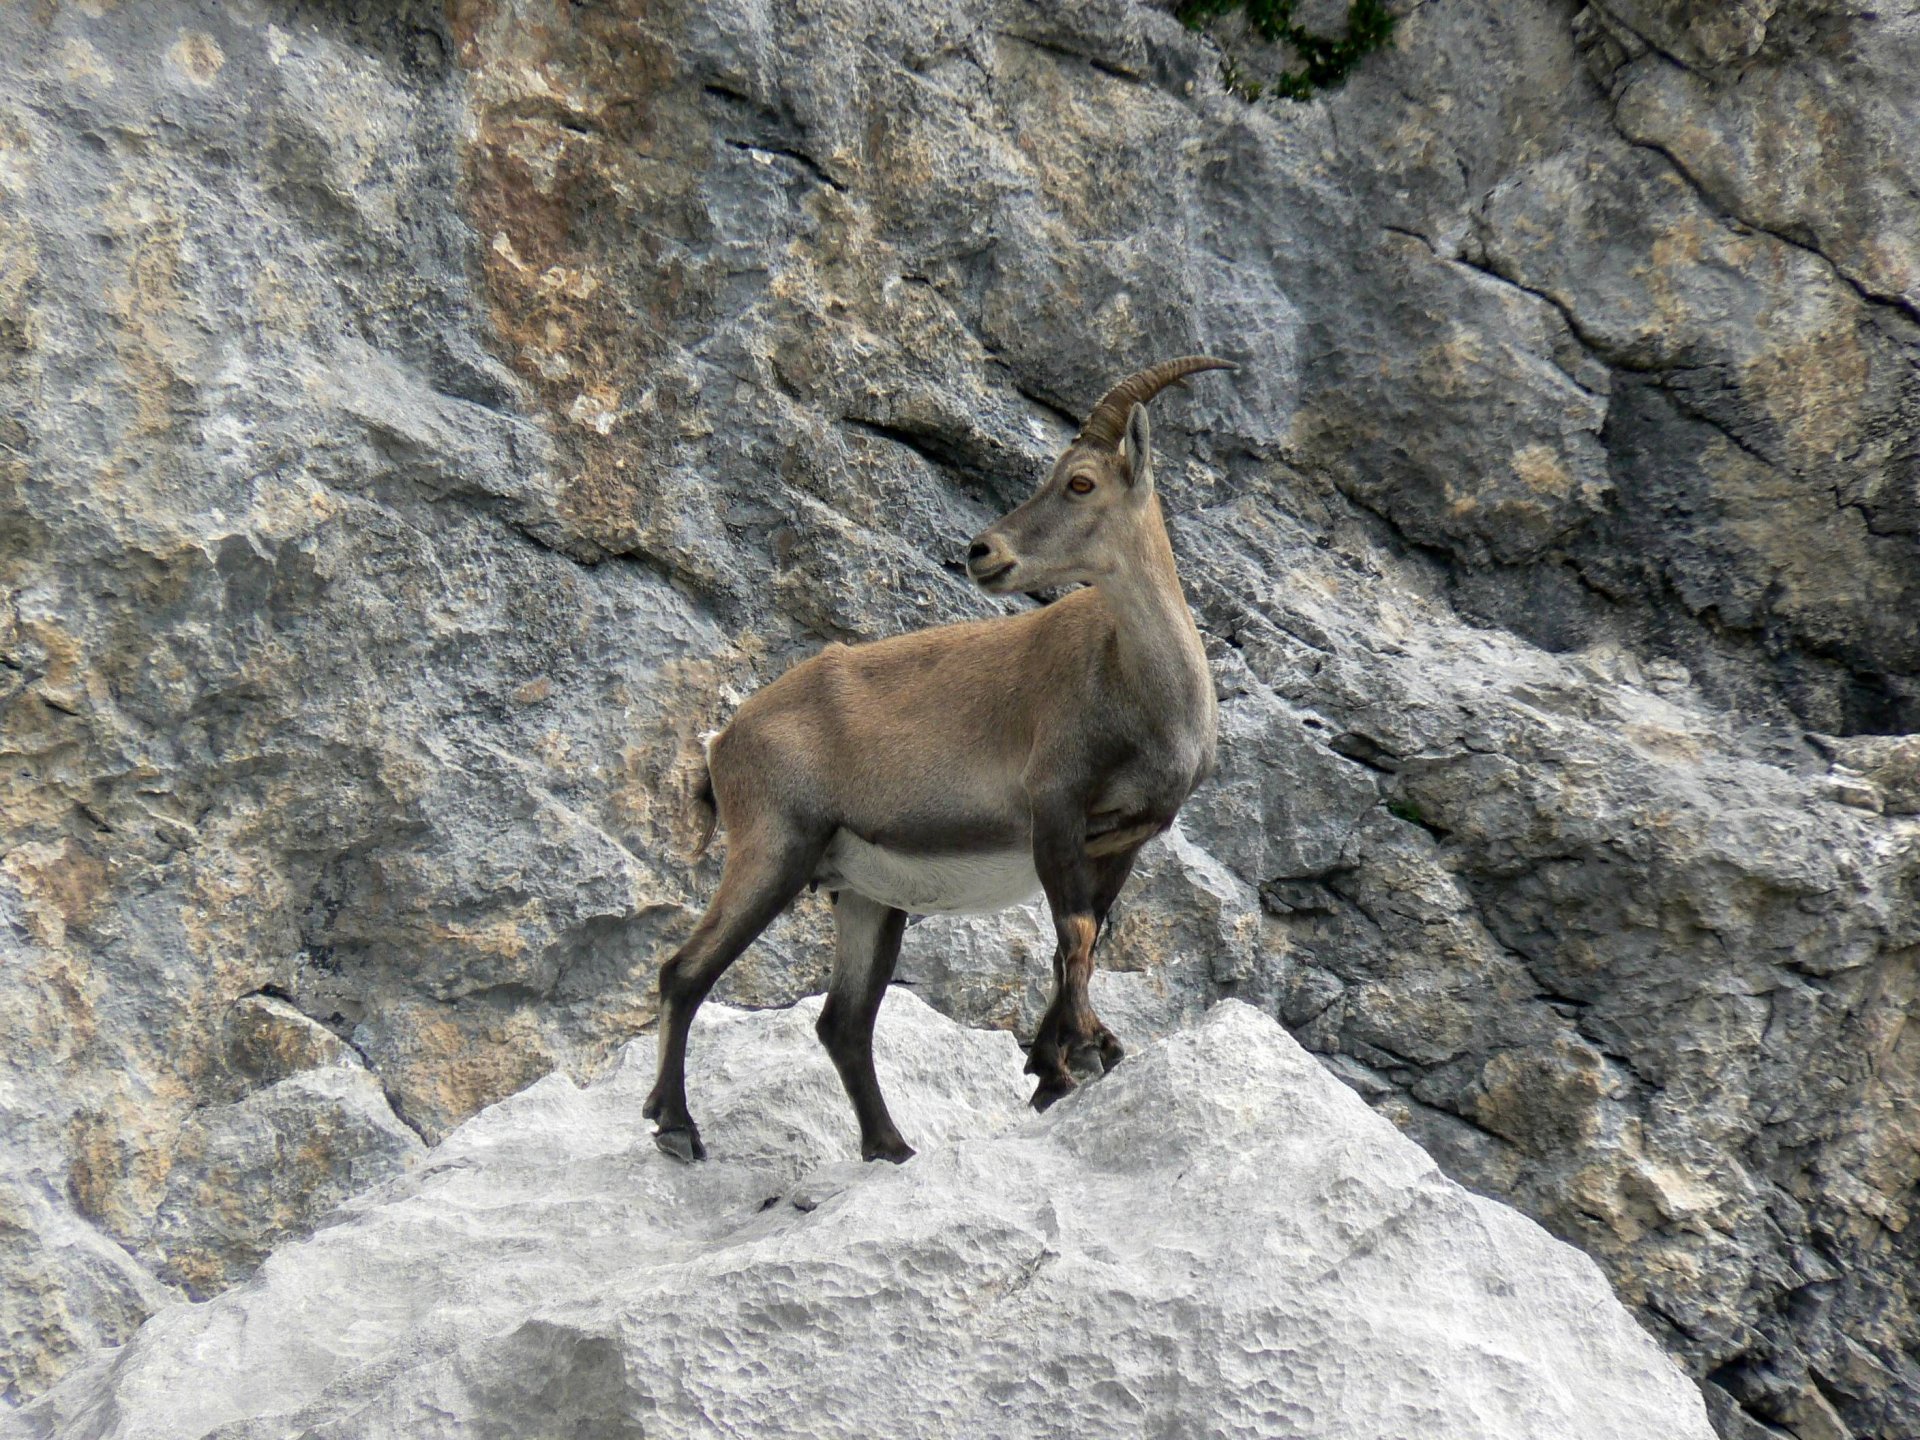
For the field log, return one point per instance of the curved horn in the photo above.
(1109, 418)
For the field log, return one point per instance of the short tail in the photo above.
(706, 809)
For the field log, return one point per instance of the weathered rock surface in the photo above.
(1218, 1239)
(415, 427)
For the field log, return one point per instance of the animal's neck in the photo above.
(1159, 645)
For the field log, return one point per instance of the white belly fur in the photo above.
(930, 884)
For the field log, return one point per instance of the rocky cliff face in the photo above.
(1221, 1242)
(418, 426)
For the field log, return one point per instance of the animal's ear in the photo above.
(1136, 449)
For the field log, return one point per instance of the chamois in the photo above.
(960, 769)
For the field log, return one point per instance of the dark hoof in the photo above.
(682, 1142)
(1051, 1089)
(894, 1149)
(1095, 1056)
(1085, 1060)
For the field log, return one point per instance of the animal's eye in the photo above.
(1080, 485)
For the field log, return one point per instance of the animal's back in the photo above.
(941, 707)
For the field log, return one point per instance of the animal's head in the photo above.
(1082, 523)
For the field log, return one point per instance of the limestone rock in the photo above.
(418, 423)
(1888, 763)
(1216, 1239)
(249, 1174)
(267, 1040)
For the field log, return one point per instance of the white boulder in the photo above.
(1217, 1239)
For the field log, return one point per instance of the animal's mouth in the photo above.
(988, 579)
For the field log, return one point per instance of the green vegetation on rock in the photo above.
(1325, 60)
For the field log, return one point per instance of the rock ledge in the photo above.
(1216, 1239)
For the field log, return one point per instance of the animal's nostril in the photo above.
(979, 550)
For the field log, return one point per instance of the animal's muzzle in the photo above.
(990, 562)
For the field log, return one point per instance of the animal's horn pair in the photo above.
(1108, 422)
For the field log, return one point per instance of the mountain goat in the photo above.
(964, 768)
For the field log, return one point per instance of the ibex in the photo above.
(960, 769)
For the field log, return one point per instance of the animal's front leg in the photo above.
(1110, 874)
(1068, 875)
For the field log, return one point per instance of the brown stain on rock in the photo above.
(1809, 385)
(146, 299)
(661, 768)
(61, 886)
(1544, 1098)
(122, 1154)
(449, 1062)
(1543, 471)
(587, 145)
(268, 1040)
(197, 57)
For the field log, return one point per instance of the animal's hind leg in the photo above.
(763, 872)
(1071, 1037)
(867, 948)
